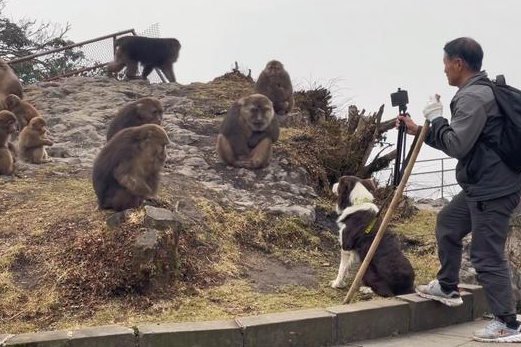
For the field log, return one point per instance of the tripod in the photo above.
(401, 161)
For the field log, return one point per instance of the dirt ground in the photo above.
(254, 242)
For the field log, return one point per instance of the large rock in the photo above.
(162, 219)
(155, 257)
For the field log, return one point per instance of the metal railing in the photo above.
(438, 180)
(97, 65)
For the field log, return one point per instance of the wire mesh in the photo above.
(81, 59)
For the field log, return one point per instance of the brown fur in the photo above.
(127, 169)
(275, 83)
(23, 110)
(142, 111)
(33, 140)
(248, 133)
(9, 82)
(7, 127)
(150, 52)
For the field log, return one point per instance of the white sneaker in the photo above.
(497, 331)
(433, 291)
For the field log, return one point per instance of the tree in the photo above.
(329, 146)
(26, 37)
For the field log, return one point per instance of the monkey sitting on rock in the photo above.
(126, 171)
(7, 152)
(275, 83)
(143, 111)
(248, 133)
(9, 82)
(22, 109)
(33, 140)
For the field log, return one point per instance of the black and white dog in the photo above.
(390, 273)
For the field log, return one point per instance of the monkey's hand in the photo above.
(153, 201)
(13, 150)
(132, 181)
(136, 185)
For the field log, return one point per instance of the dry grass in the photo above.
(57, 259)
(418, 233)
(47, 217)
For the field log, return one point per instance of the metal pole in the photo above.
(75, 72)
(114, 45)
(442, 171)
(32, 56)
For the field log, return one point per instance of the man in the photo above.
(490, 191)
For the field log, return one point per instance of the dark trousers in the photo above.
(489, 223)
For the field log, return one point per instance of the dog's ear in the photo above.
(369, 184)
(334, 189)
(345, 186)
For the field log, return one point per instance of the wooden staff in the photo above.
(383, 227)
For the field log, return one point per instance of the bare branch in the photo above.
(378, 164)
(386, 126)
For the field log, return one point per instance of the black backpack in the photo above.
(508, 98)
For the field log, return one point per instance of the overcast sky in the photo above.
(369, 48)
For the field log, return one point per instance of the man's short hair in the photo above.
(466, 49)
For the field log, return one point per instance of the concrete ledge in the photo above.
(201, 334)
(479, 302)
(43, 339)
(307, 328)
(103, 336)
(425, 314)
(370, 320)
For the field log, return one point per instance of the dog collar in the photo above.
(370, 227)
(360, 201)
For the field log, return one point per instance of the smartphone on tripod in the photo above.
(400, 99)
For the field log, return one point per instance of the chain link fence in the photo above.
(87, 58)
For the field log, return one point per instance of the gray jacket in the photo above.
(475, 115)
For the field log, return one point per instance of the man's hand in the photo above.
(412, 128)
(433, 109)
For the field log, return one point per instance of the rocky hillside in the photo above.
(246, 242)
(78, 109)
(261, 234)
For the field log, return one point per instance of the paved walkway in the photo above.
(455, 335)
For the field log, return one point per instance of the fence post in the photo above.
(442, 176)
(114, 44)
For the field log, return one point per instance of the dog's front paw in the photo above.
(366, 290)
(338, 284)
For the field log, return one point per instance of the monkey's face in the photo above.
(257, 112)
(8, 122)
(274, 68)
(38, 125)
(153, 148)
(21, 107)
(150, 112)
